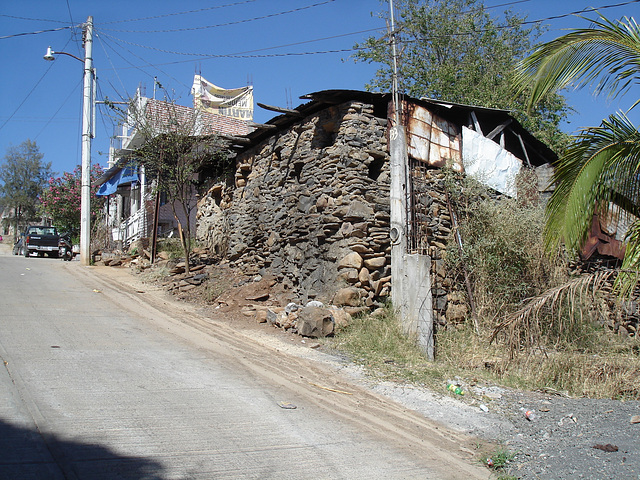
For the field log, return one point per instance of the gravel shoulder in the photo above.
(567, 438)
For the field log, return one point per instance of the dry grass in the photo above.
(539, 327)
(609, 369)
(154, 275)
(172, 247)
(220, 281)
(378, 344)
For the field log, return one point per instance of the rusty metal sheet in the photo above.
(602, 242)
(431, 139)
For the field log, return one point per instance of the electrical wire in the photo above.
(584, 10)
(244, 54)
(487, 7)
(32, 19)
(36, 32)
(103, 43)
(507, 27)
(74, 29)
(249, 54)
(245, 20)
(180, 13)
(108, 131)
(64, 102)
(30, 91)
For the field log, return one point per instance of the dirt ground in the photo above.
(565, 438)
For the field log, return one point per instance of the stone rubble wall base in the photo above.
(310, 205)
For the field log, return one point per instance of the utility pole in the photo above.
(88, 97)
(397, 194)
(394, 77)
(87, 134)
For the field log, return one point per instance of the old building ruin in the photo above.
(309, 198)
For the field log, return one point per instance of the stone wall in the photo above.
(310, 205)
(432, 222)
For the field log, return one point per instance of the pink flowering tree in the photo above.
(60, 200)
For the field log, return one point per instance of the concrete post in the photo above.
(398, 220)
(87, 116)
(410, 274)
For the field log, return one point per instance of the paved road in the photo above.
(99, 384)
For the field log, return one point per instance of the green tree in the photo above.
(453, 50)
(601, 168)
(23, 175)
(61, 199)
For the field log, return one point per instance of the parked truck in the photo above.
(41, 239)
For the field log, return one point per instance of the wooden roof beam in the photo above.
(499, 128)
(288, 111)
(476, 123)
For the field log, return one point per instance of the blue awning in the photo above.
(125, 175)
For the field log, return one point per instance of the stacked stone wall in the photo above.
(433, 224)
(311, 206)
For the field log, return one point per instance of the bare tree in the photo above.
(178, 147)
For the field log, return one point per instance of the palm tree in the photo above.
(601, 168)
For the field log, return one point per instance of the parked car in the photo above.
(19, 245)
(41, 239)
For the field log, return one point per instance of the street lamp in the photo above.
(87, 116)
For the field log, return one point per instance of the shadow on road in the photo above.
(26, 454)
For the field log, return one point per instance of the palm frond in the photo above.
(524, 328)
(627, 280)
(600, 168)
(607, 54)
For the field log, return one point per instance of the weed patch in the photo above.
(154, 275)
(560, 342)
(498, 460)
(172, 247)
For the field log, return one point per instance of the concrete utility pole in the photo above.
(410, 274)
(88, 97)
(398, 193)
(87, 134)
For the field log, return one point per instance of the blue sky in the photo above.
(138, 40)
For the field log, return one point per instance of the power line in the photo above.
(32, 19)
(244, 53)
(74, 31)
(25, 98)
(102, 44)
(527, 22)
(36, 32)
(271, 15)
(73, 90)
(505, 4)
(181, 13)
(249, 54)
(584, 10)
(138, 67)
(31, 91)
(204, 56)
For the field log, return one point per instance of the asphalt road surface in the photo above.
(102, 381)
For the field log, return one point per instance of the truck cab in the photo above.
(41, 239)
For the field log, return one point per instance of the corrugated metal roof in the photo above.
(457, 113)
